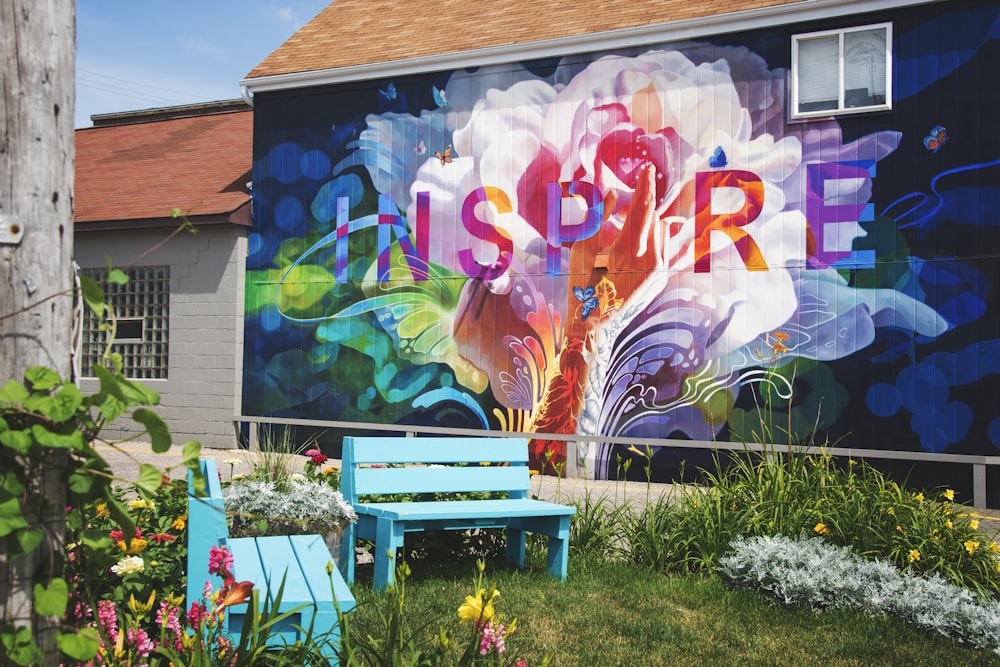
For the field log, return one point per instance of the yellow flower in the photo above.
(891, 511)
(102, 510)
(179, 522)
(919, 497)
(140, 504)
(532, 473)
(821, 529)
(899, 528)
(140, 607)
(949, 494)
(947, 524)
(174, 601)
(994, 548)
(136, 546)
(971, 546)
(852, 462)
(974, 524)
(914, 555)
(474, 608)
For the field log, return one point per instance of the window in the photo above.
(142, 309)
(842, 71)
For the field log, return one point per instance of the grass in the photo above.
(612, 613)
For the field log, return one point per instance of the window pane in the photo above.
(864, 68)
(819, 73)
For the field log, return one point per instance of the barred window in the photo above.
(142, 311)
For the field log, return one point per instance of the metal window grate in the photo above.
(144, 298)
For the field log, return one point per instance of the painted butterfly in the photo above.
(936, 139)
(718, 159)
(390, 92)
(420, 148)
(587, 296)
(440, 98)
(446, 157)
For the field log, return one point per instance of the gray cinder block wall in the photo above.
(201, 393)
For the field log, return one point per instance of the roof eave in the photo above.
(239, 216)
(674, 31)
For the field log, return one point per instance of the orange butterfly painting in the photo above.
(445, 157)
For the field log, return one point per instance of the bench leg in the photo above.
(558, 557)
(515, 547)
(388, 539)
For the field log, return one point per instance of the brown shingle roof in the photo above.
(355, 32)
(197, 159)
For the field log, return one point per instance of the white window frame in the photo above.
(842, 107)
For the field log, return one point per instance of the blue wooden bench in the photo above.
(301, 560)
(387, 465)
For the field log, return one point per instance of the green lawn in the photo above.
(611, 613)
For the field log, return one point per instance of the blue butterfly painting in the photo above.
(440, 98)
(390, 92)
(936, 139)
(587, 296)
(718, 159)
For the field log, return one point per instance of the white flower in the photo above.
(128, 565)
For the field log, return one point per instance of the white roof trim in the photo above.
(751, 19)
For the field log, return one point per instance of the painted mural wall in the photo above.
(640, 244)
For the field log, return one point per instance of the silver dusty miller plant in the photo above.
(810, 572)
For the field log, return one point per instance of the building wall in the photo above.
(469, 249)
(200, 395)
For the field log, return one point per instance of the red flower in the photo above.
(162, 538)
(319, 459)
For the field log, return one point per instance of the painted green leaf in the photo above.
(159, 432)
(13, 392)
(150, 478)
(42, 378)
(93, 296)
(52, 601)
(81, 645)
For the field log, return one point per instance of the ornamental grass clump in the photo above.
(808, 571)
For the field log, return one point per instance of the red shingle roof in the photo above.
(196, 159)
(357, 32)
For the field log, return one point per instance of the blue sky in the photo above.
(144, 54)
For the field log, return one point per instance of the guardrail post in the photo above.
(979, 485)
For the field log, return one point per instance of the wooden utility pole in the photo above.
(37, 59)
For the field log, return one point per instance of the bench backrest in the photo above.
(433, 465)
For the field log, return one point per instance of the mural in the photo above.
(638, 244)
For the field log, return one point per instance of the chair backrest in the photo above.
(207, 528)
(388, 465)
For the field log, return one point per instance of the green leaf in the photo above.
(27, 539)
(117, 277)
(13, 392)
(80, 482)
(11, 518)
(19, 646)
(93, 296)
(159, 432)
(45, 437)
(52, 601)
(42, 378)
(81, 645)
(42, 404)
(96, 538)
(190, 453)
(150, 478)
(67, 402)
(16, 440)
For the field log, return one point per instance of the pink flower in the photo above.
(313, 452)
(219, 559)
(162, 538)
(196, 614)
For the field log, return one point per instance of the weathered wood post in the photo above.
(37, 59)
